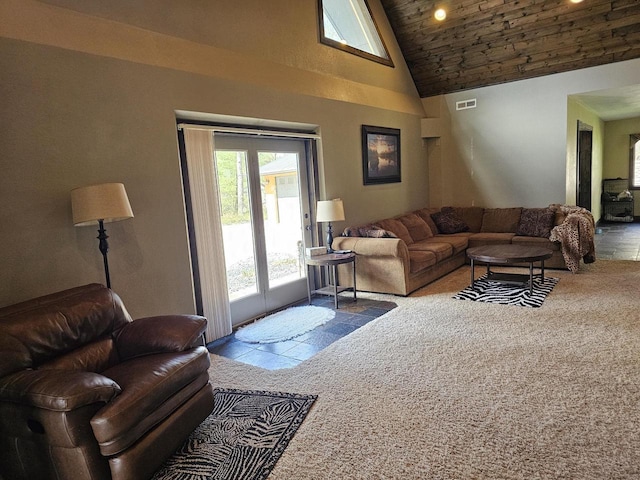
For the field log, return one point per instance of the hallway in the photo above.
(617, 241)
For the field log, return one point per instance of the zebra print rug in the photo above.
(242, 438)
(507, 294)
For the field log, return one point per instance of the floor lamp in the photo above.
(100, 204)
(330, 211)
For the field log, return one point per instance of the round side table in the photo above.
(331, 261)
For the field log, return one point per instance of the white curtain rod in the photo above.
(248, 131)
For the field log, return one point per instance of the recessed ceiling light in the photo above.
(576, 1)
(440, 14)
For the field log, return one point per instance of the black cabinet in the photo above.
(616, 209)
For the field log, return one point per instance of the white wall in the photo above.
(512, 148)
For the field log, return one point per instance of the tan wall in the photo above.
(616, 152)
(90, 90)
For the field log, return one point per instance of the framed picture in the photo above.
(380, 155)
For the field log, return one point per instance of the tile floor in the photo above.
(613, 241)
(617, 241)
(273, 356)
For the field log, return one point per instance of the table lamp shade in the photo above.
(107, 202)
(330, 211)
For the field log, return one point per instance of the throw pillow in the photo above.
(536, 222)
(394, 225)
(449, 222)
(501, 220)
(472, 216)
(425, 214)
(418, 228)
(371, 231)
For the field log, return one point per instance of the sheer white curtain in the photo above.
(205, 202)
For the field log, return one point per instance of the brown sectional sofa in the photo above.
(401, 254)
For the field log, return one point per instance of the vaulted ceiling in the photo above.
(487, 42)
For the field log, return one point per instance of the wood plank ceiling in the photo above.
(486, 42)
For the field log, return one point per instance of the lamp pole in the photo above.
(329, 238)
(104, 248)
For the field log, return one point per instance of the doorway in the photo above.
(584, 165)
(265, 211)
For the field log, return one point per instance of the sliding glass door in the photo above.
(264, 202)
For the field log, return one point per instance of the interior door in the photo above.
(265, 221)
(585, 134)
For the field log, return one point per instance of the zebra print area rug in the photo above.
(242, 439)
(507, 294)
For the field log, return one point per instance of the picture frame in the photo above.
(380, 155)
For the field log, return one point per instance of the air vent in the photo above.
(464, 104)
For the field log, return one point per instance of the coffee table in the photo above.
(508, 255)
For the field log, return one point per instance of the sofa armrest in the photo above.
(389, 247)
(57, 390)
(166, 333)
(382, 264)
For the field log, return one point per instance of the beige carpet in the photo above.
(448, 389)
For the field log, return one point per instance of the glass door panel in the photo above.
(282, 217)
(237, 229)
(265, 205)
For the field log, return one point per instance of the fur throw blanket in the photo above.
(575, 235)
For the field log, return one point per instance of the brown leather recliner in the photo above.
(88, 393)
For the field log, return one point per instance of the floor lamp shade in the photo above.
(107, 202)
(104, 203)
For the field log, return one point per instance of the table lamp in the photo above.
(100, 204)
(330, 211)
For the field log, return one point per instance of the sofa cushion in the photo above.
(57, 390)
(417, 227)
(370, 231)
(472, 216)
(442, 250)
(93, 357)
(171, 334)
(40, 330)
(458, 242)
(396, 226)
(421, 259)
(139, 406)
(536, 242)
(536, 222)
(500, 220)
(488, 238)
(425, 214)
(449, 222)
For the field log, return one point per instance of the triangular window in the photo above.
(349, 25)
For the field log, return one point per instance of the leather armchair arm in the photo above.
(58, 390)
(166, 333)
